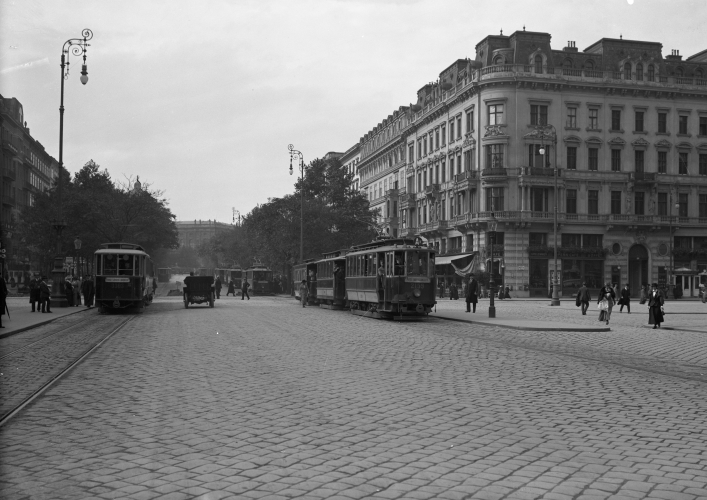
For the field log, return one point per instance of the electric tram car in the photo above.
(164, 274)
(329, 283)
(124, 277)
(306, 271)
(260, 279)
(235, 275)
(204, 271)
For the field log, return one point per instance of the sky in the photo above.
(201, 99)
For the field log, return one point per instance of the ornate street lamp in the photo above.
(297, 154)
(77, 47)
(549, 131)
(77, 247)
(492, 227)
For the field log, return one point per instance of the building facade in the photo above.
(194, 233)
(607, 148)
(349, 160)
(27, 169)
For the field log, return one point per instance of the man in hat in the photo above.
(470, 294)
(88, 289)
(45, 295)
(34, 292)
(583, 297)
(3, 295)
(303, 292)
(655, 307)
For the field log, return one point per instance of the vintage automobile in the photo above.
(198, 290)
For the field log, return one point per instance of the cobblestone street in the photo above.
(264, 399)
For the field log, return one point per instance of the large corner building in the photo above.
(614, 137)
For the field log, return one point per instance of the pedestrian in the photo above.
(244, 289)
(231, 288)
(607, 298)
(583, 298)
(69, 292)
(644, 294)
(217, 287)
(76, 287)
(471, 290)
(34, 292)
(617, 291)
(441, 289)
(453, 291)
(625, 299)
(88, 288)
(303, 293)
(380, 283)
(45, 296)
(3, 296)
(655, 307)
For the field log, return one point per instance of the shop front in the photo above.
(451, 269)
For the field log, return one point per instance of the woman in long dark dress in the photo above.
(655, 307)
(3, 294)
(606, 293)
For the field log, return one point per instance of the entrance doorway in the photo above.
(637, 269)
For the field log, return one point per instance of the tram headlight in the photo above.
(417, 292)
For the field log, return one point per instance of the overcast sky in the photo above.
(201, 99)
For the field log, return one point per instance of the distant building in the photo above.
(349, 160)
(194, 233)
(27, 169)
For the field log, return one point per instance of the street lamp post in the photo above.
(670, 237)
(297, 154)
(77, 247)
(552, 134)
(492, 226)
(77, 47)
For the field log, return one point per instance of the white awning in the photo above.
(447, 259)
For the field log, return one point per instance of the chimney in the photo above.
(674, 55)
(571, 47)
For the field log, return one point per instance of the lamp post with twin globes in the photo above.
(298, 155)
(552, 133)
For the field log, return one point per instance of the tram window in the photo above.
(432, 265)
(125, 265)
(399, 263)
(417, 263)
(99, 265)
(110, 264)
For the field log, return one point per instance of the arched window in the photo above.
(678, 72)
(651, 73)
(627, 71)
(498, 60)
(589, 65)
(567, 63)
(639, 71)
(538, 63)
(698, 73)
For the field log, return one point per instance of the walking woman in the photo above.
(655, 307)
(231, 289)
(607, 298)
(3, 295)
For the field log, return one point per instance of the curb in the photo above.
(24, 329)
(529, 328)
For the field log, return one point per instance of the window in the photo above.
(444, 168)
(703, 125)
(494, 156)
(467, 160)
(593, 158)
(571, 117)
(662, 162)
(662, 123)
(494, 199)
(616, 202)
(451, 167)
(572, 158)
(469, 121)
(594, 119)
(682, 163)
(459, 127)
(662, 203)
(615, 119)
(616, 160)
(639, 71)
(537, 239)
(538, 114)
(679, 73)
(639, 203)
(651, 73)
(627, 71)
(571, 205)
(593, 202)
(537, 199)
(640, 156)
(639, 121)
(703, 164)
(535, 159)
(424, 146)
(411, 153)
(538, 64)
(443, 135)
(419, 148)
(703, 206)
(572, 240)
(451, 130)
(495, 114)
(682, 204)
(682, 124)
(592, 240)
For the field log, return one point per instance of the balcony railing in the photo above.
(540, 171)
(494, 172)
(643, 176)
(392, 192)
(432, 189)
(9, 172)
(466, 175)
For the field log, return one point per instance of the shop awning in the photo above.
(447, 259)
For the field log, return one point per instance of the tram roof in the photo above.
(126, 246)
(121, 251)
(389, 243)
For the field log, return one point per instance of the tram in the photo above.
(164, 274)
(233, 274)
(306, 271)
(260, 279)
(406, 288)
(330, 284)
(205, 271)
(124, 277)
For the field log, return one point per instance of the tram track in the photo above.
(20, 389)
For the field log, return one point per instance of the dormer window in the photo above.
(627, 71)
(639, 71)
(538, 64)
(651, 73)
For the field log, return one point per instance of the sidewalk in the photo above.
(481, 318)
(22, 318)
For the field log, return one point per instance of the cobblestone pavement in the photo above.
(264, 399)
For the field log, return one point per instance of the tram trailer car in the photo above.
(306, 271)
(164, 274)
(260, 279)
(205, 271)
(408, 284)
(227, 275)
(330, 286)
(124, 277)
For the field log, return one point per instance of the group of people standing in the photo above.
(218, 286)
(608, 298)
(40, 293)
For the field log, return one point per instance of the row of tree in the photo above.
(334, 217)
(97, 209)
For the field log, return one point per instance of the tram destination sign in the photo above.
(117, 280)
(416, 279)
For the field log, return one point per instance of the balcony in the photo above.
(432, 191)
(434, 227)
(408, 232)
(540, 172)
(8, 199)
(9, 172)
(10, 143)
(642, 176)
(391, 193)
(494, 172)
